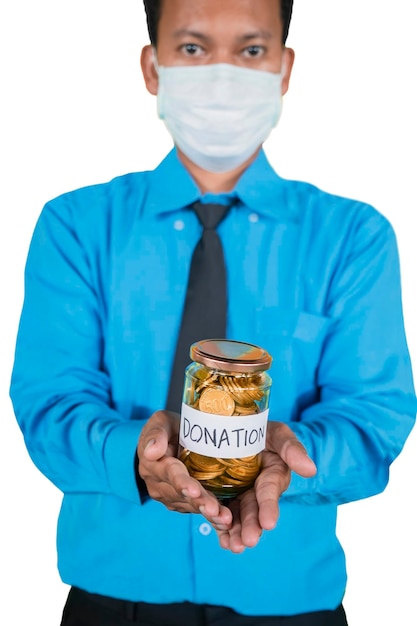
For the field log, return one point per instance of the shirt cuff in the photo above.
(120, 459)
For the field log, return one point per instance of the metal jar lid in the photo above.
(230, 356)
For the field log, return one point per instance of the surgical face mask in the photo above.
(218, 115)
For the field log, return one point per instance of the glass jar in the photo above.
(224, 415)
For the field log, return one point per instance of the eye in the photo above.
(192, 49)
(254, 51)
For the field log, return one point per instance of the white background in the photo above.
(74, 112)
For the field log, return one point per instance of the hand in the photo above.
(166, 477)
(257, 509)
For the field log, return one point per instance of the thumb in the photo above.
(156, 434)
(294, 454)
(284, 443)
(155, 445)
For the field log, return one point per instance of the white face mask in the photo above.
(218, 115)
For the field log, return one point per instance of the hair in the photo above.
(153, 13)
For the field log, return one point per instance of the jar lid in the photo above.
(230, 356)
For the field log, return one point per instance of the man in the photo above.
(308, 278)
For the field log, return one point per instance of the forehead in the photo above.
(222, 17)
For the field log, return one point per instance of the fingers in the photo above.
(270, 484)
(251, 530)
(282, 441)
(257, 510)
(174, 473)
(167, 478)
(231, 539)
(218, 515)
(245, 530)
(240, 524)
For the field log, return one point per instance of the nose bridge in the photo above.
(222, 54)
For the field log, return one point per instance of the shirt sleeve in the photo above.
(60, 389)
(367, 401)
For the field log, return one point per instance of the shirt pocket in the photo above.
(295, 339)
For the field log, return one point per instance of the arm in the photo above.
(367, 402)
(60, 389)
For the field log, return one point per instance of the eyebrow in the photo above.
(258, 34)
(185, 32)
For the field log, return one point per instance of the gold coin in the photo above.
(189, 394)
(255, 394)
(250, 409)
(242, 473)
(250, 460)
(216, 401)
(249, 388)
(209, 380)
(228, 462)
(202, 374)
(184, 454)
(245, 478)
(202, 462)
(205, 475)
(223, 481)
(225, 383)
(202, 473)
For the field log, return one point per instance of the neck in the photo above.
(213, 182)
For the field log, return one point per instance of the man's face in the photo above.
(247, 33)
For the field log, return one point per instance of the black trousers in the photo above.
(86, 609)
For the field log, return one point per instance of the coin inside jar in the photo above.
(224, 414)
(216, 401)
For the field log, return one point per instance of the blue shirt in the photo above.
(313, 278)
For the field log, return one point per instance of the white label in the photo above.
(222, 436)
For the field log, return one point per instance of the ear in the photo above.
(287, 63)
(148, 70)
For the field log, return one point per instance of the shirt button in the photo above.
(254, 217)
(205, 529)
(179, 225)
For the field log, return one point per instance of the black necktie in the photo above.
(204, 313)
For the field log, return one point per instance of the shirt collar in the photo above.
(262, 190)
(171, 188)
